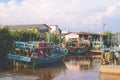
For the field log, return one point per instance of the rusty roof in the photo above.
(87, 33)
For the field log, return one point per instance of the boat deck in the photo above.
(95, 51)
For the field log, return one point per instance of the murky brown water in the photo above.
(69, 70)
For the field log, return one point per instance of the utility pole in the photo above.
(104, 27)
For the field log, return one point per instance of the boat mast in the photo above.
(48, 35)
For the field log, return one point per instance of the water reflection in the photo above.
(78, 64)
(72, 69)
(86, 69)
(47, 73)
(80, 68)
(50, 74)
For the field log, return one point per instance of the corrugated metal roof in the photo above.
(41, 27)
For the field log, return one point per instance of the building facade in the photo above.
(55, 29)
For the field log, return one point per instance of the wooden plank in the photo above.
(110, 69)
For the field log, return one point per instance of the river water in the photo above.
(72, 69)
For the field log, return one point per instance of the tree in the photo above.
(54, 38)
(6, 44)
(25, 35)
(108, 33)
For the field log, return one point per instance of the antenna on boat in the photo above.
(103, 30)
(20, 37)
(48, 35)
(104, 27)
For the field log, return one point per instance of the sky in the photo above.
(71, 15)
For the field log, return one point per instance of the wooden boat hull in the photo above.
(77, 51)
(51, 60)
(39, 61)
(104, 76)
(19, 58)
(110, 69)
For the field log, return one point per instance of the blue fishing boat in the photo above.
(37, 53)
(51, 59)
(76, 50)
(99, 47)
(19, 58)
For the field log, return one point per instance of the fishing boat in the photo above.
(110, 62)
(36, 53)
(110, 69)
(76, 50)
(99, 47)
(104, 76)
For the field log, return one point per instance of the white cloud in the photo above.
(33, 11)
(112, 11)
(69, 13)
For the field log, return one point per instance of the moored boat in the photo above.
(76, 50)
(37, 53)
(110, 69)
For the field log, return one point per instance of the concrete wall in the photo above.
(54, 29)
